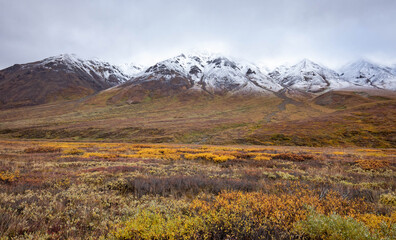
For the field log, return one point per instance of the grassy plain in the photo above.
(265, 120)
(97, 190)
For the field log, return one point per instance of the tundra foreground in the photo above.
(91, 190)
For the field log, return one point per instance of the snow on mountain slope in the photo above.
(309, 77)
(365, 73)
(259, 77)
(98, 70)
(58, 78)
(215, 73)
(393, 69)
(131, 69)
(278, 71)
(212, 73)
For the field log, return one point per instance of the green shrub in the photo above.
(152, 224)
(333, 227)
(286, 176)
(388, 199)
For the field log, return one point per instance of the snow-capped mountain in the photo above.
(211, 73)
(67, 76)
(99, 70)
(367, 74)
(56, 78)
(308, 76)
(278, 71)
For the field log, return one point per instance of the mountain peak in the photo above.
(308, 76)
(306, 61)
(366, 73)
(361, 63)
(307, 64)
(66, 55)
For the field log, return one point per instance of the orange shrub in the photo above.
(372, 164)
(374, 221)
(274, 211)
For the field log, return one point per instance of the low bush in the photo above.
(178, 186)
(154, 224)
(243, 155)
(333, 227)
(42, 149)
(293, 157)
(8, 177)
(372, 164)
(100, 155)
(74, 151)
(388, 199)
(262, 158)
(209, 157)
(286, 176)
(380, 223)
(337, 227)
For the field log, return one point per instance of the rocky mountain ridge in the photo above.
(67, 76)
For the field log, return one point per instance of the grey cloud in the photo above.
(268, 32)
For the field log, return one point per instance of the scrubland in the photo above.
(98, 190)
(216, 120)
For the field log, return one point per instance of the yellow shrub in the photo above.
(73, 151)
(208, 157)
(156, 225)
(263, 156)
(157, 151)
(338, 153)
(369, 150)
(8, 177)
(100, 155)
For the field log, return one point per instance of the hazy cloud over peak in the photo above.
(266, 32)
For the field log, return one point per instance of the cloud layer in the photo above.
(145, 31)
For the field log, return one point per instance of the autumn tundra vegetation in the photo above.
(96, 190)
(199, 167)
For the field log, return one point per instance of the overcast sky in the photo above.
(330, 32)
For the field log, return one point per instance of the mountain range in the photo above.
(56, 78)
(67, 77)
